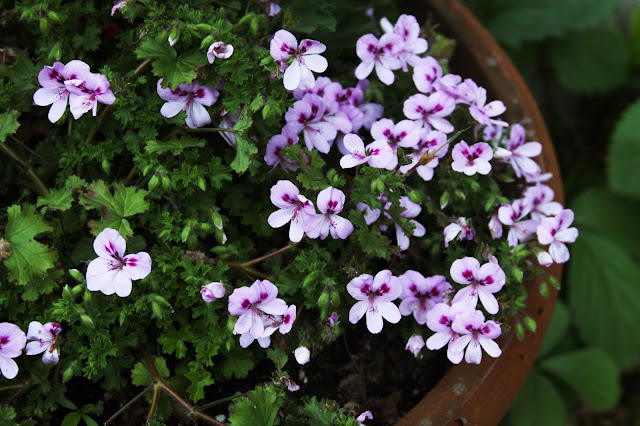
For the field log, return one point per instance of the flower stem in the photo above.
(212, 129)
(219, 401)
(246, 270)
(41, 187)
(159, 383)
(128, 404)
(267, 256)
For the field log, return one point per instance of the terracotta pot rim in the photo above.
(481, 394)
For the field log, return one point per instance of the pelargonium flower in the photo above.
(54, 92)
(246, 338)
(433, 143)
(89, 88)
(302, 355)
(219, 50)
(12, 341)
(430, 110)
(555, 231)
(112, 272)
(482, 112)
(513, 215)
(212, 291)
(377, 154)
(495, 226)
(291, 385)
(273, 156)
(307, 116)
(540, 198)
(425, 73)
(375, 298)
(330, 202)
(381, 54)
(471, 159)
(460, 227)
(415, 344)
(520, 153)
(45, 339)
(364, 417)
(481, 282)
(475, 335)
(284, 45)
(252, 303)
(294, 207)
(405, 133)
(192, 98)
(420, 294)
(408, 28)
(118, 4)
(439, 320)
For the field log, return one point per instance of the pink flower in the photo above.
(481, 282)
(544, 258)
(420, 294)
(471, 159)
(363, 417)
(118, 4)
(408, 28)
(513, 215)
(411, 209)
(495, 226)
(294, 208)
(330, 202)
(12, 341)
(192, 98)
(405, 134)
(430, 110)
(452, 230)
(212, 291)
(112, 272)
(475, 335)
(307, 116)
(306, 58)
(540, 198)
(45, 339)
(273, 156)
(480, 110)
(521, 152)
(439, 320)
(425, 73)
(89, 89)
(252, 303)
(291, 385)
(54, 92)
(375, 298)
(219, 50)
(415, 344)
(383, 54)
(377, 154)
(555, 231)
(302, 355)
(435, 143)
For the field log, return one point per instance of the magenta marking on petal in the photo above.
(286, 319)
(485, 329)
(246, 304)
(263, 296)
(469, 327)
(488, 280)
(444, 320)
(384, 289)
(4, 340)
(467, 274)
(365, 289)
(413, 288)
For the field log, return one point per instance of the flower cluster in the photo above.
(75, 83)
(44, 340)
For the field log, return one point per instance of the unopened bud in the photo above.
(520, 331)
(530, 323)
(202, 184)
(44, 25)
(185, 234)
(444, 200)
(54, 16)
(166, 183)
(323, 300)
(77, 275)
(153, 182)
(106, 166)
(217, 219)
(86, 321)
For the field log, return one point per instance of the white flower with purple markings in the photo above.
(420, 294)
(192, 98)
(480, 281)
(306, 58)
(44, 341)
(330, 202)
(475, 334)
(375, 298)
(294, 207)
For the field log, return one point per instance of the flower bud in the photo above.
(217, 219)
(206, 41)
(530, 323)
(153, 182)
(212, 291)
(202, 184)
(444, 200)
(77, 275)
(231, 323)
(86, 321)
(54, 17)
(166, 183)
(106, 166)
(544, 289)
(302, 355)
(186, 231)
(66, 293)
(44, 25)
(77, 289)
(335, 298)
(174, 35)
(415, 344)
(415, 197)
(323, 300)
(520, 331)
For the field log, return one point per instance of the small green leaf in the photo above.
(590, 372)
(8, 124)
(238, 363)
(244, 151)
(259, 408)
(71, 419)
(57, 199)
(89, 421)
(634, 37)
(175, 145)
(29, 259)
(140, 375)
(622, 169)
(161, 366)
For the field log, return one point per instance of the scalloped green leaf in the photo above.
(622, 160)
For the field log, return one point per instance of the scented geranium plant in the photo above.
(202, 201)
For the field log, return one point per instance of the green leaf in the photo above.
(8, 124)
(244, 152)
(319, 415)
(218, 173)
(22, 76)
(557, 329)
(161, 366)
(279, 357)
(237, 363)
(200, 378)
(622, 169)
(71, 419)
(609, 214)
(603, 279)
(594, 60)
(29, 259)
(537, 403)
(313, 15)
(259, 408)
(175, 145)
(591, 373)
(536, 20)
(89, 421)
(634, 37)
(140, 375)
(57, 199)
(125, 202)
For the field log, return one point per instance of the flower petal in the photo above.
(137, 266)
(109, 244)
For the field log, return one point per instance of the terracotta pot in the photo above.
(481, 394)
